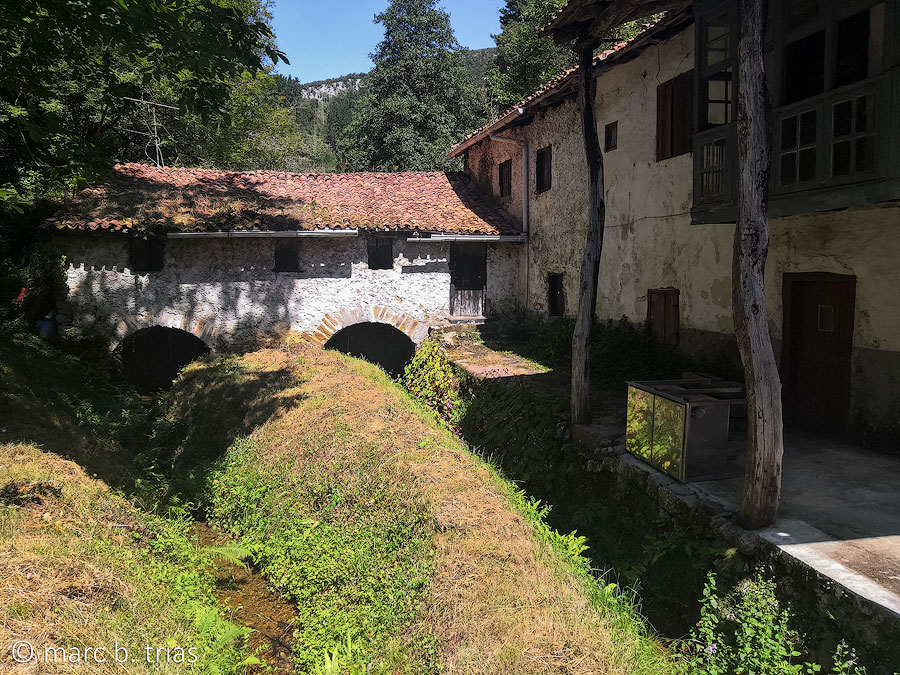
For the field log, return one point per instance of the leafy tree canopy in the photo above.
(65, 66)
(526, 59)
(419, 98)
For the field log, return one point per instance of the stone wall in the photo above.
(650, 241)
(226, 292)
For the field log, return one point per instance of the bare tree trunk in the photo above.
(590, 266)
(762, 480)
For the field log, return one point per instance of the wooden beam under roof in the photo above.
(587, 22)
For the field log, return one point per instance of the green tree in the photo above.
(65, 68)
(525, 59)
(419, 98)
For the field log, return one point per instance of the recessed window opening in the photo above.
(505, 178)
(611, 136)
(147, 254)
(381, 253)
(287, 255)
(544, 169)
(556, 298)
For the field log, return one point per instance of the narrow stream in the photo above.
(247, 600)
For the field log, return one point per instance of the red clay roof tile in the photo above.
(186, 199)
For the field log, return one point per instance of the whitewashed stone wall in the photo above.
(650, 241)
(227, 292)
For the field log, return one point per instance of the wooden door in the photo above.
(468, 276)
(818, 324)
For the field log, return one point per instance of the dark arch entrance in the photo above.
(378, 343)
(152, 357)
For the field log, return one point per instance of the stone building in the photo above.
(231, 257)
(665, 108)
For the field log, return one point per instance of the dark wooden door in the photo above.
(818, 321)
(468, 276)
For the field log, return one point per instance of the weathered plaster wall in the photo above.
(226, 290)
(651, 243)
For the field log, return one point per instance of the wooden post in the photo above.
(590, 265)
(765, 443)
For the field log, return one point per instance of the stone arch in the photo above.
(204, 329)
(334, 322)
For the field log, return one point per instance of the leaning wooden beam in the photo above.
(762, 481)
(590, 265)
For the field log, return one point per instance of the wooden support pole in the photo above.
(765, 443)
(590, 265)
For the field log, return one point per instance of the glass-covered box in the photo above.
(687, 427)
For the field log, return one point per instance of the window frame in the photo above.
(611, 136)
(504, 178)
(543, 169)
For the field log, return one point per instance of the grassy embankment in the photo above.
(402, 550)
(81, 567)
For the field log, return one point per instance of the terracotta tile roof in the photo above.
(180, 199)
(569, 79)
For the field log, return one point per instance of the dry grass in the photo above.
(76, 571)
(500, 601)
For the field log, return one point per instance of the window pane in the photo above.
(842, 123)
(852, 57)
(716, 42)
(789, 132)
(865, 154)
(801, 11)
(807, 165)
(840, 158)
(788, 168)
(808, 125)
(864, 106)
(804, 68)
(718, 98)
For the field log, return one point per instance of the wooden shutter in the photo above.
(675, 116)
(682, 113)
(663, 315)
(381, 253)
(147, 254)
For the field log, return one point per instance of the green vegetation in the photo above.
(748, 631)
(431, 381)
(83, 567)
(419, 99)
(402, 551)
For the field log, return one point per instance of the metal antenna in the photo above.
(153, 131)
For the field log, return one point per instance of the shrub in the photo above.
(747, 631)
(430, 379)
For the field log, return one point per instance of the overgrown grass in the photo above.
(403, 551)
(84, 569)
(80, 565)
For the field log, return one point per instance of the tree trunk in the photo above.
(762, 480)
(590, 265)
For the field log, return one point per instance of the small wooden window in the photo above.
(147, 254)
(663, 316)
(505, 171)
(381, 253)
(287, 255)
(556, 300)
(544, 169)
(674, 116)
(611, 136)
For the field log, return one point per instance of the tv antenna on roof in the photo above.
(152, 130)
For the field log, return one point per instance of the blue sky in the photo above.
(329, 38)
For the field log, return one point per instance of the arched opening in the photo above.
(152, 357)
(378, 343)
